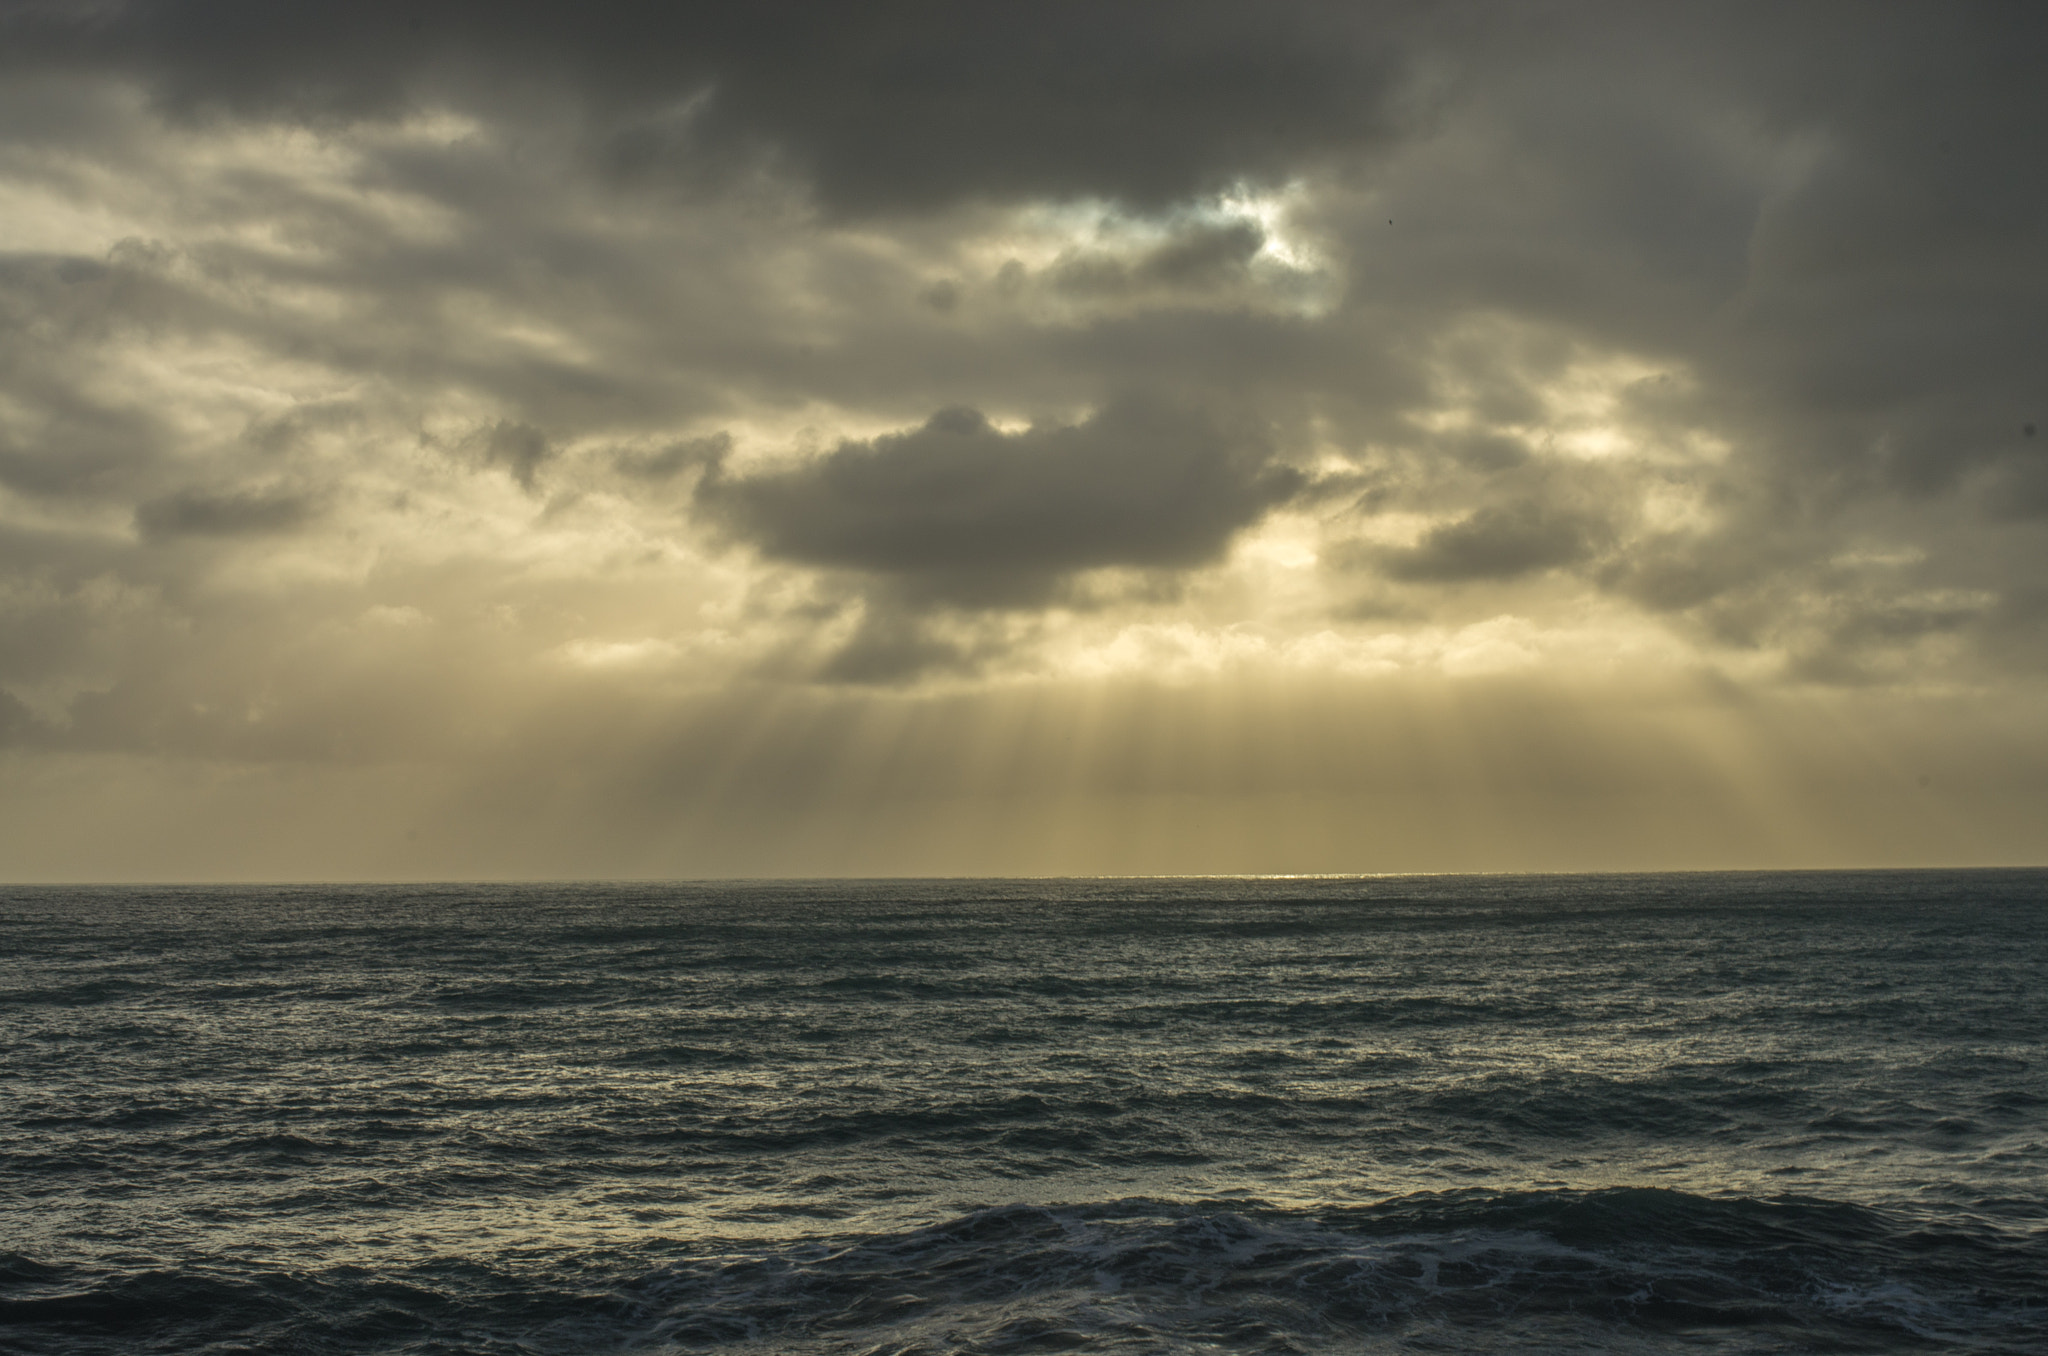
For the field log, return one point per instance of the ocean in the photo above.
(1697, 1113)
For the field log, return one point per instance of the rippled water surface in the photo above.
(1741, 1113)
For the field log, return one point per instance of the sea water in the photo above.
(1697, 1113)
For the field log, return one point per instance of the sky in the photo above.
(534, 440)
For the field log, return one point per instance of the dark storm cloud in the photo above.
(520, 448)
(893, 645)
(1666, 575)
(82, 446)
(1138, 484)
(911, 103)
(1499, 543)
(198, 513)
(1858, 642)
(1690, 336)
(667, 462)
(18, 724)
(66, 438)
(1824, 218)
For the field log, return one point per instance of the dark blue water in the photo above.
(1768, 1113)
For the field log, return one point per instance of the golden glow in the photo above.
(1127, 776)
(1504, 586)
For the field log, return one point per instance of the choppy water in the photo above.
(1660, 1113)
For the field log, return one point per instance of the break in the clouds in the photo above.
(712, 438)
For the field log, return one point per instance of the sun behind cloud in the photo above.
(477, 442)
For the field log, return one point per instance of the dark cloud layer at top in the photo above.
(904, 104)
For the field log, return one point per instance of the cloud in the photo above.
(958, 502)
(1703, 337)
(882, 107)
(892, 644)
(196, 513)
(1209, 257)
(667, 462)
(60, 434)
(18, 724)
(520, 448)
(1499, 543)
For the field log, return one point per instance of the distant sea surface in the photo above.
(1665, 1113)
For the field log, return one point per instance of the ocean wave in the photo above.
(545, 1119)
(1618, 1269)
(1480, 1270)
